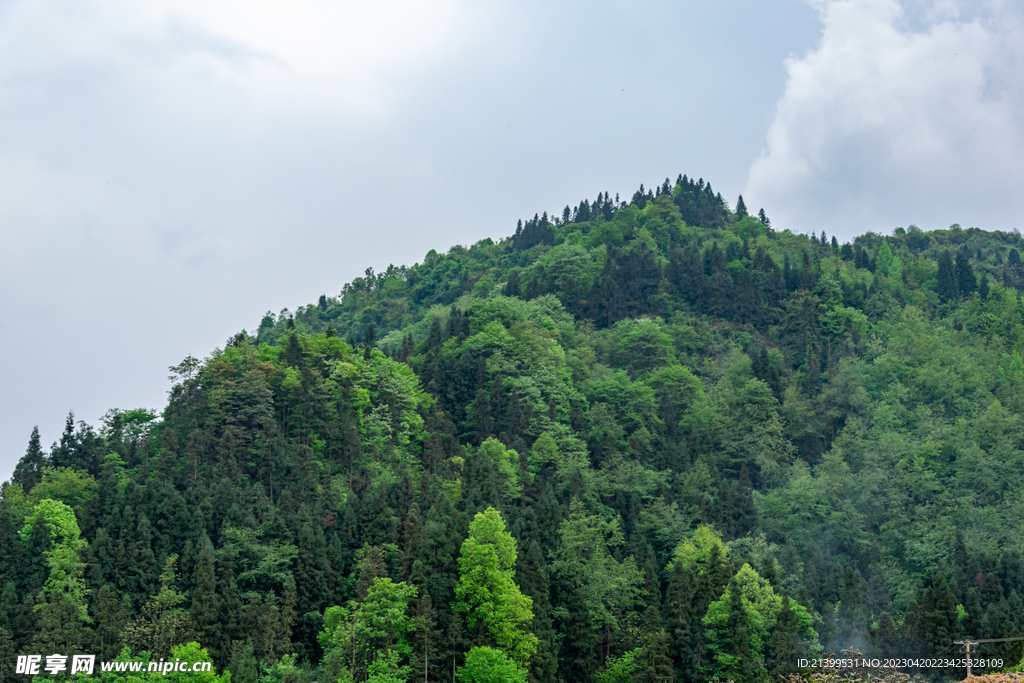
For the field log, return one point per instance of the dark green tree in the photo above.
(966, 281)
(655, 659)
(947, 285)
(29, 470)
(204, 610)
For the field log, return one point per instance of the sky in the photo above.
(171, 170)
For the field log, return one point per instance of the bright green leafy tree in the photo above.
(738, 626)
(497, 612)
(490, 665)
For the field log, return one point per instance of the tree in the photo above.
(497, 613)
(601, 590)
(427, 635)
(739, 626)
(655, 660)
(29, 470)
(735, 646)
(886, 262)
(784, 646)
(371, 638)
(490, 665)
(163, 624)
(191, 653)
(965, 274)
(947, 286)
(62, 603)
(204, 611)
(383, 618)
(741, 208)
(620, 669)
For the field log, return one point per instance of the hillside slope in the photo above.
(718, 448)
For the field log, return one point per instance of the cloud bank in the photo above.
(903, 113)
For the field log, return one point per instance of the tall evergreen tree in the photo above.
(947, 285)
(784, 648)
(655, 660)
(29, 470)
(966, 281)
(204, 610)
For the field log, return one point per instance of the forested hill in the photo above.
(641, 441)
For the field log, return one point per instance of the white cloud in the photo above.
(900, 115)
(351, 53)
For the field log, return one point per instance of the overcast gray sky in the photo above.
(170, 170)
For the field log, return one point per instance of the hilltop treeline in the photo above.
(646, 440)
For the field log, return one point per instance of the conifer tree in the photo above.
(204, 610)
(947, 286)
(111, 611)
(29, 470)
(163, 623)
(63, 455)
(427, 637)
(244, 667)
(8, 655)
(735, 656)
(655, 660)
(968, 284)
(311, 573)
(784, 647)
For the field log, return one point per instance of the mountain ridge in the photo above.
(716, 448)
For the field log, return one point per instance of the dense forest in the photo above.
(640, 441)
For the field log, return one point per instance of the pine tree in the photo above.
(852, 620)
(736, 658)
(655, 660)
(64, 454)
(311, 572)
(741, 208)
(204, 610)
(887, 637)
(29, 470)
(947, 286)
(534, 581)
(427, 637)
(111, 611)
(784, 648)
(244, 667)
(412, 532)
(683, 620)
(8, 654)
(965, 274)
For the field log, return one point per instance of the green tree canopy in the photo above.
(497, 612)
